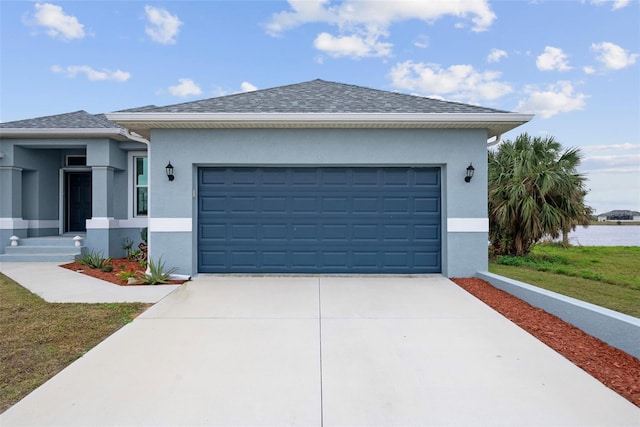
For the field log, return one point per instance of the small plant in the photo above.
(135, 255)
(93, 260)
(106, 268)
(127, 246)
(156, 273)
(125, 275)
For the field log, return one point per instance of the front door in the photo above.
(77, 201)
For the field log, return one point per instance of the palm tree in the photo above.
(534, 190)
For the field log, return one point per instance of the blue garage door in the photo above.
(319, 220)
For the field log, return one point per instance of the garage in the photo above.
(319, 220)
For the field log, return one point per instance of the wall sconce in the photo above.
(169, 169)
(470, 170)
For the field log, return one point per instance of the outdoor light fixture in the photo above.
(169, 169)
(470, 170)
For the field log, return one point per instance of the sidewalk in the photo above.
(56, 284)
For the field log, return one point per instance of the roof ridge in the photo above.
(322, 96)
(79, 119)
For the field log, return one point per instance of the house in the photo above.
(71, 174)
(315, 177)
(620, 215)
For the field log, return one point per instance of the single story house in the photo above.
(66, 175)
(316, 177)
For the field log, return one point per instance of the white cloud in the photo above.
(588, 70)
(555, 99)
(611, 147)
(628, 161)
(422, 42)
(58, 24)
(92, 74)
(458, 82)
(247, 87)
(615, 4)
(553, 58)
(496, 55)
(613, 56)
(353, 46)
(163, 27)
(185, 87)
(362, 24)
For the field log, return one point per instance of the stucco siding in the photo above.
(451, 150)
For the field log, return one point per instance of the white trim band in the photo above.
(13, 224)
(170, 224)
(105, 223)
(101, 223)
(468, 225)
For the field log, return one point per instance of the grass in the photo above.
(38, 339)
(605, 276)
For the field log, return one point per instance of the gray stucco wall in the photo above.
(30, 193)
(173, 205)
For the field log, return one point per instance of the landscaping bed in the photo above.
(114, 276)
(614, 368)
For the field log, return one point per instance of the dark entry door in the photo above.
(78, 200)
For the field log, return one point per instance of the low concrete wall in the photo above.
(616, 329)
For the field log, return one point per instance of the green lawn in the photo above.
(38, 339)
(606, 276)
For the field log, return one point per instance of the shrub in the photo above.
(156, 273)
(93, 260)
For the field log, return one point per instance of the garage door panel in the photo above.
(365, 178)
(304, 205)
(213, 232)
(396, 205)
(315, 220)
(274, 205)
(276, 232)
(427, 232)
(334, 177)
(425, 178)
(212, 204)
(395, 178)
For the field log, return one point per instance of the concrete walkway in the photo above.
(330, 351)
(56, 284)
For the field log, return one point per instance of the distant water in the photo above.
(606, 235)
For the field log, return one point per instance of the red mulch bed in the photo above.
(614, 368)
(118, 265)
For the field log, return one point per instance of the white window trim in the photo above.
(131, 208)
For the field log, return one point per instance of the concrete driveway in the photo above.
(332, 351)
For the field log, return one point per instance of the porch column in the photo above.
(102, 220)
(11, 221)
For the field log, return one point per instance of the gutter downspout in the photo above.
(491, 141)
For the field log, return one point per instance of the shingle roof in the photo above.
(319, 96)
(76, 120)
(138, 109)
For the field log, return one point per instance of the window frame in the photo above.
(133, 184)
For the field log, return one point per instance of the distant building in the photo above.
(619, 215)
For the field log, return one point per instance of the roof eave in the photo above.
(495, 123)
(113, 133)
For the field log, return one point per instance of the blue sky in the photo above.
(575, 64)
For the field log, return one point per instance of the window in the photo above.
(76, 160)
(141, 186)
